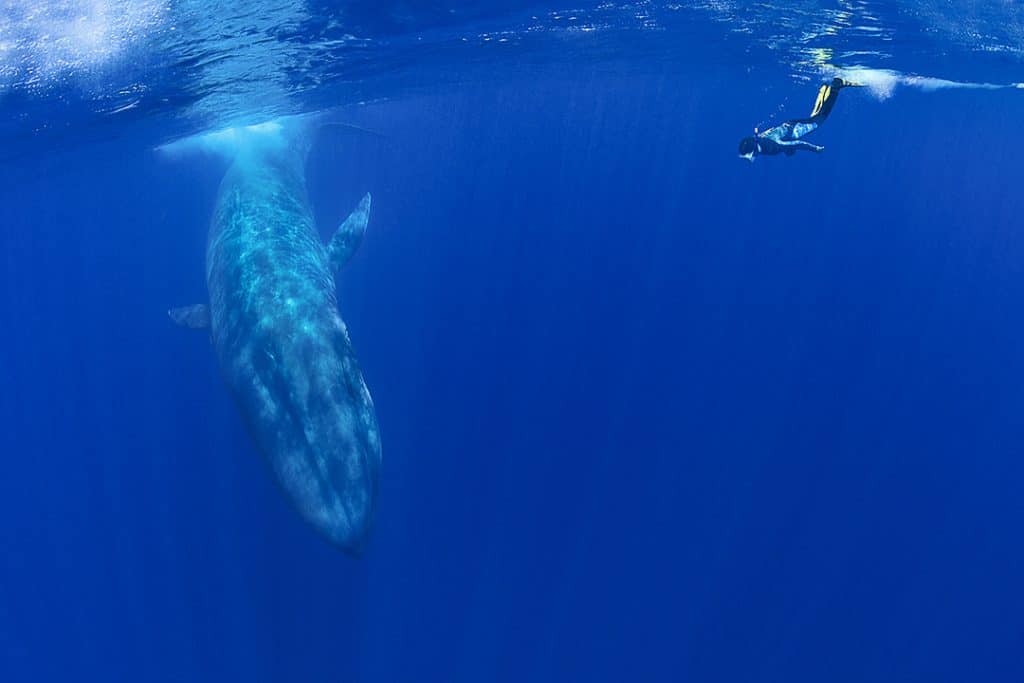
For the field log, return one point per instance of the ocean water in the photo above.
(649, 412)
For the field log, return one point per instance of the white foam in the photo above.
(226, 142)
(883, 82)
(880, 82)
(229, 142)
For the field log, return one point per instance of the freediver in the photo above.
(785, 137)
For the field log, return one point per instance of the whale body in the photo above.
(282, 347)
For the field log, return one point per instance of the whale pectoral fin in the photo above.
(346, 240)
(195, 317)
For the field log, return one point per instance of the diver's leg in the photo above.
(802, 127)
(793, 129)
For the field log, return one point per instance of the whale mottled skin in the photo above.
(281, 344)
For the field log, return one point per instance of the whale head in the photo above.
(309, 411)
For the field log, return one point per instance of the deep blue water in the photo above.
(649, 412)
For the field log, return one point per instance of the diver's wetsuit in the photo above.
(785, 137)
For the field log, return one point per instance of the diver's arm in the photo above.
(793, 145)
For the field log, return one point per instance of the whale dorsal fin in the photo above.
(196, 317)
(346, 240)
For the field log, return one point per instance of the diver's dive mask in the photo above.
(749, 148)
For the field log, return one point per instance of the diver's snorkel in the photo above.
(749, 147)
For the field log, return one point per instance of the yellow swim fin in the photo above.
(823, 93)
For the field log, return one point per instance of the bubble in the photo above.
(44, 44)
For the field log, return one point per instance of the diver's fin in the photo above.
(828, 93)
(346, 240)
(823, 94)
(196, 317)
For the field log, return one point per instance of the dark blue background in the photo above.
(649, 412)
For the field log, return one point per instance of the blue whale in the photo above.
(282, 347)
